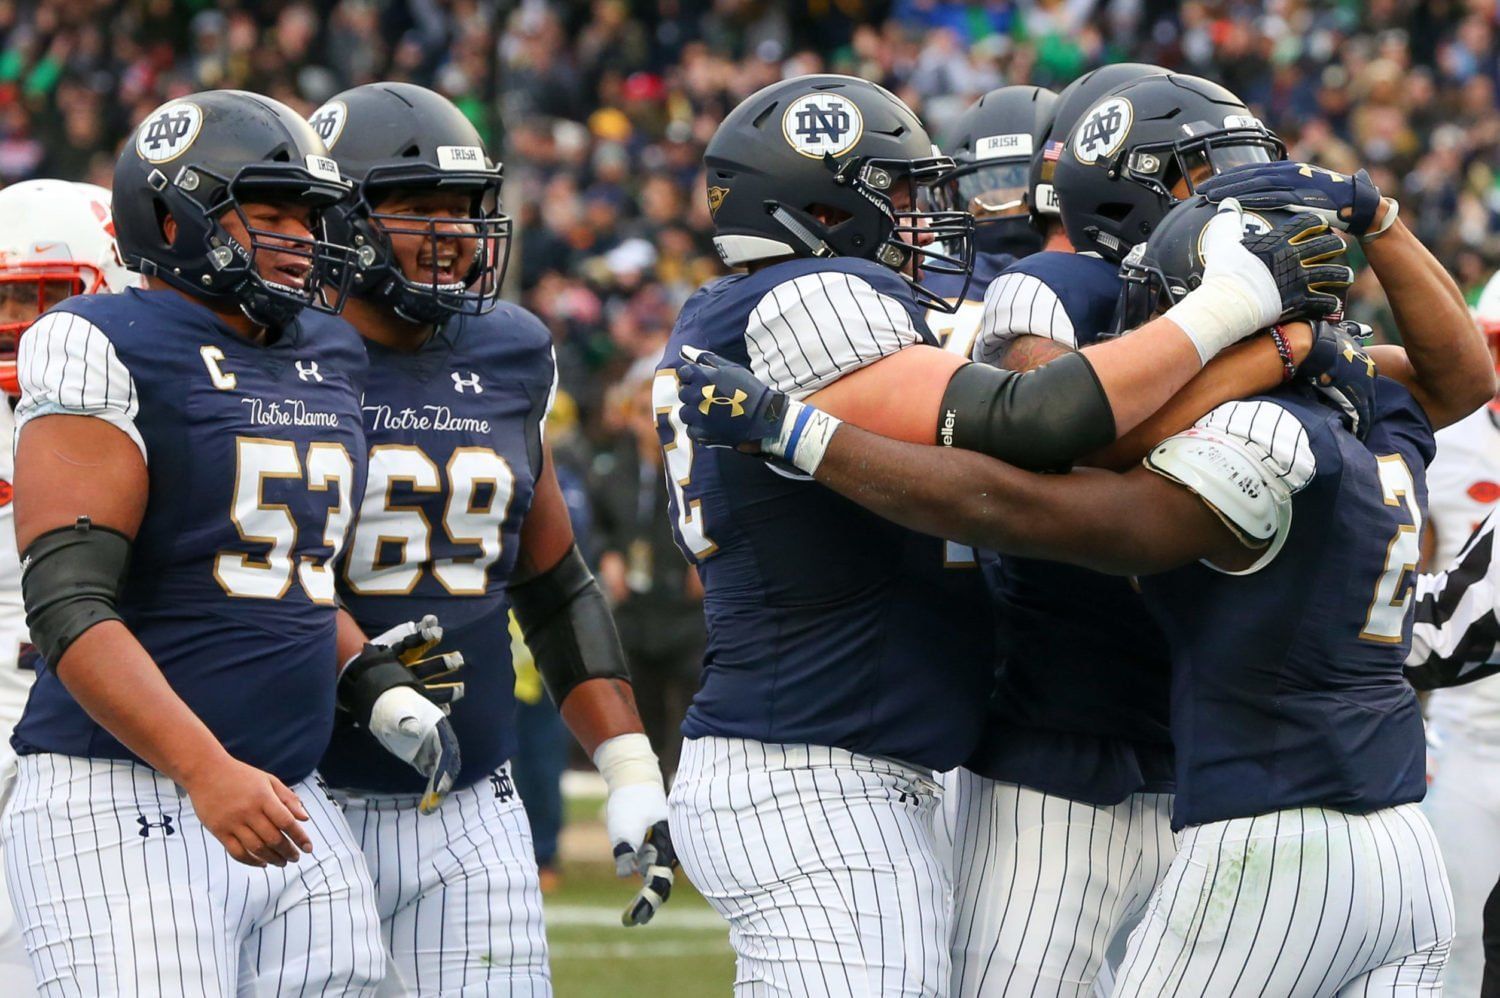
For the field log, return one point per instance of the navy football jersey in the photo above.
(255, 454)
(826, 624)
(1080, 709)
(455, 447)
(1068, 297)
(1287, 686)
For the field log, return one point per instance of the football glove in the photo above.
(1304, 257)
(396, 695)
(657, 864)
(1338, 366)
(1343, 201)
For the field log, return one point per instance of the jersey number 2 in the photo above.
(1386, 618)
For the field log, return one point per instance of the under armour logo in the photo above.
(466, 380)
(504, 789)
(308, 370)
(1307, 170)
(147, 824)
(1351, 355)
(736, 408)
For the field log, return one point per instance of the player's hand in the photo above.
(656, 862)
(724, 405)
(1338, 366)
(415, 730)
(255, 816)
(1305, 260)
(1343, 201)
(410, 642)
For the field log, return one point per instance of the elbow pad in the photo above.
(1041, 420)
(568, 627)
(71, 578)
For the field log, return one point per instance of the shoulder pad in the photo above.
(1240, 485)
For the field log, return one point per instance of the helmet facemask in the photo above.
(27, 289)
(1163, 167)
(995, 193)
(233, 272)
(483, 237)
(913, 239)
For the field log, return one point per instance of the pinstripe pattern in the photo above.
(812, 330)
(107, 910)
(821, 861)
(1042, 884)
(67, 365)
(457, 891)
(1297, 903)
(1020, 305)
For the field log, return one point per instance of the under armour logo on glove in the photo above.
(165, 824)
(307, 370)
(463, 382)
(735, 402)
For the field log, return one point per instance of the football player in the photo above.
(56, 240)
(1078, 736)
(186, 463)
(991, 144)
(461, 516)
(1285, 534)
(846, 658)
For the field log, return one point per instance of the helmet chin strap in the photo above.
(815, 244)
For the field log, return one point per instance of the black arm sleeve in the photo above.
(70, 580)
(1041, 420)
(568, 627)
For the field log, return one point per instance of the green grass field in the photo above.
(683, 953)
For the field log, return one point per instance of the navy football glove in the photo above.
(657, 862)
(1343, 201)
(724, 405)
(1305, 260)
(1338, 367)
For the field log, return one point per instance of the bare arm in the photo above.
(72, 466)
(1446, 364)
(1132, 524)
(597, 709)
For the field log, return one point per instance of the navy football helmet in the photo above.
(1074, 99)
(834, 166)
(992, 144)
(390, 137)
(1159, 272)
(196, 159)
(1141, 148)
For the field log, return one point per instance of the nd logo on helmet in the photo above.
(736, 407)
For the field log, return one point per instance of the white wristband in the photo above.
(805, 433)
(627, 759)
(1216, 314)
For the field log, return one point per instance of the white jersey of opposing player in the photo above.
(15, 682)
(1463, 485)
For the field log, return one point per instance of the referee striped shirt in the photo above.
(1455, 637)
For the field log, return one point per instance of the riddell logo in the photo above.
(946, 432)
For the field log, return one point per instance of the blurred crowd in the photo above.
(601, 110)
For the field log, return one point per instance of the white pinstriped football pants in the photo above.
(822, 862)
(120, 890)
(457, 891)
(1042, 884)
(1305, 902)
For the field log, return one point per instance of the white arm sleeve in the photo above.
(1245, 460)
(67, 366)
(1020, 305)
(808, 332)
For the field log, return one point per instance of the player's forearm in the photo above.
(598, 710)
(1140, 371)
(1450, 361)
(1244, 369)
(113, 678)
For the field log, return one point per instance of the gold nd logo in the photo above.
(710, 400)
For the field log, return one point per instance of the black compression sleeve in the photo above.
(70, 579)
(1041, 420)
(568, 627)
